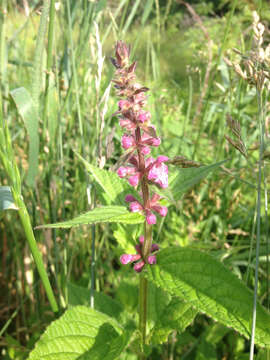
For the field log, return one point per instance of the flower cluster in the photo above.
(141, 169)
(138, 266)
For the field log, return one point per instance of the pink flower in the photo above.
(134, 179)
(124, 105)
(158, 172)
(128, 141)
(127, 124)
(139, 265)
(136, 206)
(132, 172)
(150, 218)
(144, 116)
(125, 171)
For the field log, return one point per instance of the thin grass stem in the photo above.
(49, 59)
(258, 237)
(26, 223)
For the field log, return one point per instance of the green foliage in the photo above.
(118, 214)
(78, 295)
(177, 315)
(28, 112)
(181, 181)
(206, 284)
(81, 333)
(110, 188)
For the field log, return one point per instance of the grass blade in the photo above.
(29, 114)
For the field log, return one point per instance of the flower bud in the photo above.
(151, 218)
(134, 180)
(163, 211)
(130, 198)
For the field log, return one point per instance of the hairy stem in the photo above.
(146, 248)
(143, 309)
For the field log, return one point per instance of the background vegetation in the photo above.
(180, 52)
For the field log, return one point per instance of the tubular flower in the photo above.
(137, 258)
(158, 172)
(136, 206)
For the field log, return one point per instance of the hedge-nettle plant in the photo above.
(184, 280)
(142, 170)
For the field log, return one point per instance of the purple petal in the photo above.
(130, 198)
(139, 266)
(154, 247)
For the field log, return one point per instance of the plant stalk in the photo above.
(143, 290)
(25, 219)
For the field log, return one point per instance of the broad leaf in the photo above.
(182, 180)
(206, 284)
(110, 187)
(81, 333)
(6, 199)
(78, 295)
(28, 111)
(158, 300)
(176, 316)
(105, 214)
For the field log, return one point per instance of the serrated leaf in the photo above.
(182, 180)
(109, 349)
(6, 199)
(176, 316)
(206, 284)
(78, 295)
(105, 214)
(28, 111)
(112, 188)
(79, 331)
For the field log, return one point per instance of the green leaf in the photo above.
(206, 351)
(206, 284)
(6, 199)
(111, 188)
(29, 114)
(105, 214)
(78, 333)
(176, 316)
(158, 300)
(181, 181)
(78, 295)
